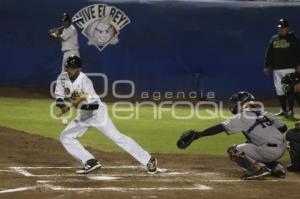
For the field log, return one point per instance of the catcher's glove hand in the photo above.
(187, 138)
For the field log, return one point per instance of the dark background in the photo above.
(168, 46)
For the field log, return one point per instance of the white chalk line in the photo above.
(104, 167)
(21, 171)
(7, 171)
(103, 178)
(197, 187)
(18, 189)
(171, 174)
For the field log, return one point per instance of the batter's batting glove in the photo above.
(187, 138)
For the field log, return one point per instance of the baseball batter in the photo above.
(68, 38)
(78, 88)
(265, 143)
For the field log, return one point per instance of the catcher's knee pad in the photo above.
(232, 152)
(245, 162)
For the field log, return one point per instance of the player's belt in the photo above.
(272, 145)
(89, 107)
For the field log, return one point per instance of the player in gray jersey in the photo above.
(265, 143)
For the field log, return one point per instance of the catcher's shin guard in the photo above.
(242, 160)
(245, 162)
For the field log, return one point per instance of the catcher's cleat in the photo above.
(89, 166)
(152, 165)
(264, 171)
(277, 169)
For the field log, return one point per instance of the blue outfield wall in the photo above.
(168, 46)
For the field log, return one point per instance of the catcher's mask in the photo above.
(239, 99)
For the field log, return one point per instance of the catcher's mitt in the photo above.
(187, 138)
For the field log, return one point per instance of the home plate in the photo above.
(103, 178)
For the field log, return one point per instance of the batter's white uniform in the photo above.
(265, 142)
(69, 45)
(98, 118)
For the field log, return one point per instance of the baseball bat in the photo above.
(73, 21)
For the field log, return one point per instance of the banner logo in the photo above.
(101, 24)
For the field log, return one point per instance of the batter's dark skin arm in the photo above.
(61, 104)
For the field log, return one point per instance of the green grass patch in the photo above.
(155, 135)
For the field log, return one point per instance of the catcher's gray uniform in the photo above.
(265, 143)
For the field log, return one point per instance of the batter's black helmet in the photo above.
(239, 99)
(73, 62)
(65, 17)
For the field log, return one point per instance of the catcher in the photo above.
(265, 143)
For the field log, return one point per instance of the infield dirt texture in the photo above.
(37, 167)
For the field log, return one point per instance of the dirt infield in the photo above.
(35, 167)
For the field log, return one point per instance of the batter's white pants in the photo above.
(101, 121)
(67, 54)
(277, 77)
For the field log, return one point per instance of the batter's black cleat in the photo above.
(152, 165)
(89, 166)
(292, 168)
(264, 171)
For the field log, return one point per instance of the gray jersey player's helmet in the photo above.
(239, 99)
(73, 62)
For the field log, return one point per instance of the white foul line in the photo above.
(22, 171)
(123, 189)
(104, 167)
(103, 178)
(163, 173)
(17, 189)
(7, 171)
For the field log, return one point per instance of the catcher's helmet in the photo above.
(239, 99)
(65, 17)
(73, 62)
